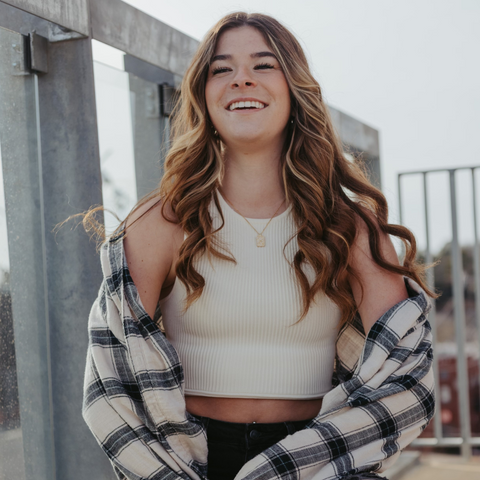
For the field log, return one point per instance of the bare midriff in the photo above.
(249, 410)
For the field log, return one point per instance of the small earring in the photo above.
(214, 130)
(292, 120)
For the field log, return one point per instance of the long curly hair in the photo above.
(329, 193)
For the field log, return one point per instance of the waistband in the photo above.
(240, 429)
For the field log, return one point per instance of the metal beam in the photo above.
(124, 27)
(434, 170)
(444, 442)
(25, 23)
(71, 14)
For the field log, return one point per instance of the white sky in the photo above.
(410, 69)
(116, 143)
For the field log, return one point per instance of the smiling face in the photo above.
(244, 69)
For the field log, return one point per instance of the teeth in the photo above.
(247, 104)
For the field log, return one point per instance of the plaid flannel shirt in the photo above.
(382, 396)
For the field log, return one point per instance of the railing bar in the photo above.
(445, 169)
(437, 419)
(446, 442)
(476, 260)
(400, 212)
(459, 314)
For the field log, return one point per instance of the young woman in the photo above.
(261, 243)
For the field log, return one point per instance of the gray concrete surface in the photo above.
(11, 455)
(403, 465)
(72, 14)
(443, 467)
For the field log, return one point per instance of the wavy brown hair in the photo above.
(329, 194)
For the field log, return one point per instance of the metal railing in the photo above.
(466, 441)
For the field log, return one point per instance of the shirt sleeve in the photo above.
(133, 398)
(368, 419)
(113, 408)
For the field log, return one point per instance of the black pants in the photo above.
(231, 445)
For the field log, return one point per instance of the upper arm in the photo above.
(149, 248)
(382, 289)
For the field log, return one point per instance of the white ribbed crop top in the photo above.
(239, 339)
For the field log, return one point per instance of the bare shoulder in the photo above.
(361, 253)
(151, 243)
(382, 289)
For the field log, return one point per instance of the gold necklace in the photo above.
(260, 237)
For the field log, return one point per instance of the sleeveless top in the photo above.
(240, 339)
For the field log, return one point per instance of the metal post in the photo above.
(400, 215)
(21, 152)
(71, 184)
(459, 310)
(437, 419)
(149, 122)
(476, 258)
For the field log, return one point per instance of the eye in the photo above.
(264, 65)
(219, 70)
(224, 69)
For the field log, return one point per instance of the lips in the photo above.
(246, 103)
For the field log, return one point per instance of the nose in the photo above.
(242, 78)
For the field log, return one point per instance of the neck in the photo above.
(253, 183)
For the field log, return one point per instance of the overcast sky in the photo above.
(409, 69)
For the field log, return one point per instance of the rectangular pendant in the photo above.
(260, 241)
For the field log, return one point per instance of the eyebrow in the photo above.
(253, 55)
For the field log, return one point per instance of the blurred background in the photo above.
(86, 90)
